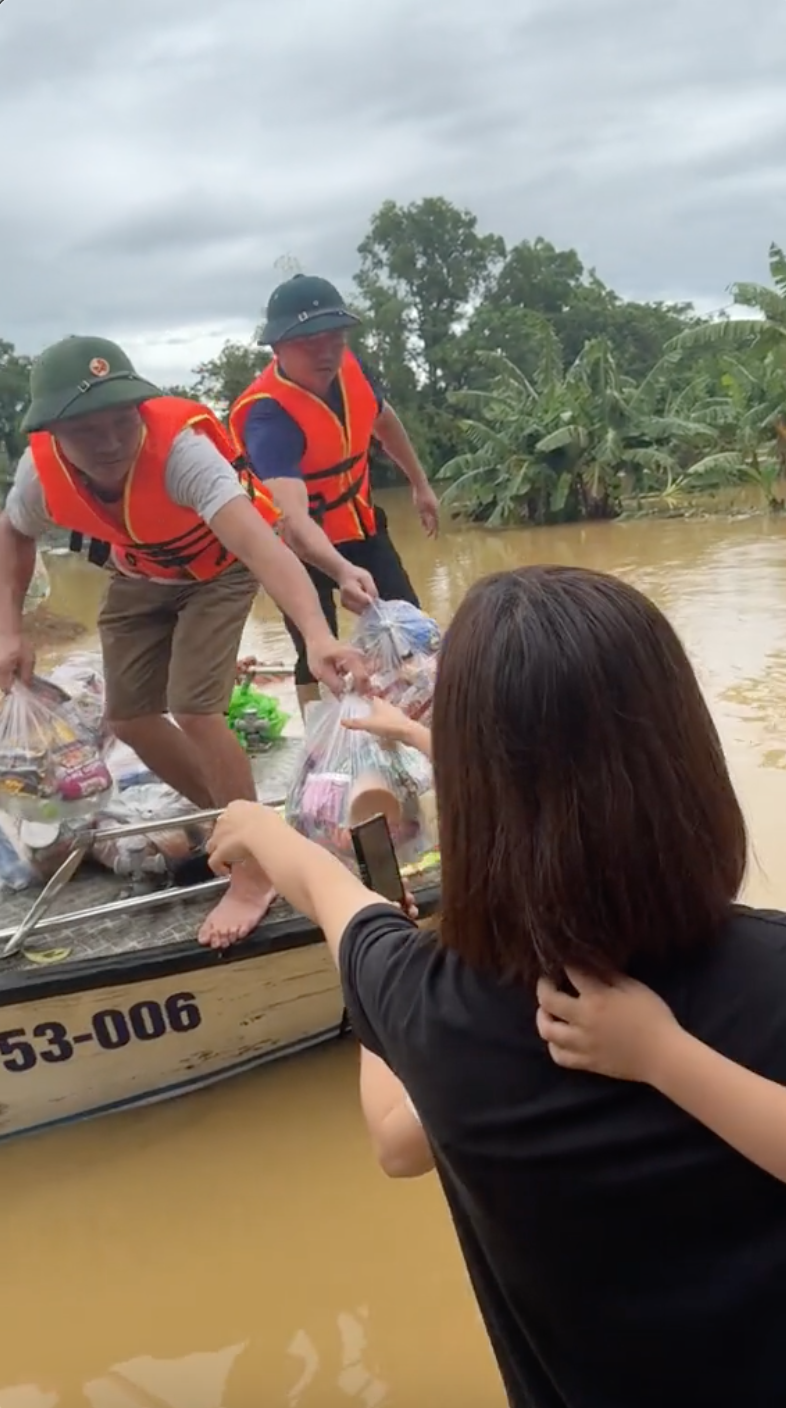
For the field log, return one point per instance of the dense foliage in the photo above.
(532, 390)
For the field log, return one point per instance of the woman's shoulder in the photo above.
(747, 956)
(766, 928)
(735, 994)
(738, 983)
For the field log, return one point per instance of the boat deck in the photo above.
(149, 921)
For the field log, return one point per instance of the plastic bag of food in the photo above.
(400, 644)
(81, 676)
(158, 853)
(388, 632)
(345, 775)
(51, 768)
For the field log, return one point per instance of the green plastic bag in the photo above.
(255, 718)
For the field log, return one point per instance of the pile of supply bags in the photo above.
(61, 768)
(60, 765)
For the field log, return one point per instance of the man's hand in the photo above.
(17, 660)
(358, 589)
(427, 505)
(333, 664)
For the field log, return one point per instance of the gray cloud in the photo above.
(162, 157)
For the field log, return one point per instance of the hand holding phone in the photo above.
(376, 858)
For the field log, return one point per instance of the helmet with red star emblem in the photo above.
(80, 375)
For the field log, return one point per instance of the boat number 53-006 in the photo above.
(111, 1029)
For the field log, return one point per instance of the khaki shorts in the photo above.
(171, 647)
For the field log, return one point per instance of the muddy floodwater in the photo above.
(238, 1248)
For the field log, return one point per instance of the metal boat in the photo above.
(108, 1002)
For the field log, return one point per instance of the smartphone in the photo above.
(376, 858)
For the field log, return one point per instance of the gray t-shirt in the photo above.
(197, 477)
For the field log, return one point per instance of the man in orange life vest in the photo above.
(152, 480)
(305, 426)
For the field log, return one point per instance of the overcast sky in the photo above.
(158, 156)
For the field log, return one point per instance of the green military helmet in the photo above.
(80, 375)
(303, 307)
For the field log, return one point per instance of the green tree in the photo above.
(763, 332)
(184, 392)
(14, 396)
(423, 268)
(537, 277)
(221, 380)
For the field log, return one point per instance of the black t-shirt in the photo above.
(621, 1254)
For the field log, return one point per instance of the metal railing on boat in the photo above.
(38, 920)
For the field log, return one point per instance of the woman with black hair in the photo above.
(622, 1255)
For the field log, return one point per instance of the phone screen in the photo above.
(376, 858)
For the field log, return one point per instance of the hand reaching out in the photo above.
(384, 720)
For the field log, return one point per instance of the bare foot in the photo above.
(244, 905)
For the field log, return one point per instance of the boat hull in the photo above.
(71, 1055)
(105, 1034)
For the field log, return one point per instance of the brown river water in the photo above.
(238, 1248)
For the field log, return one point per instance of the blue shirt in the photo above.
(275, 444)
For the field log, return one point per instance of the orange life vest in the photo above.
(152, 537)
(335, 463)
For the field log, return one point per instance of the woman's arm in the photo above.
(742, 1108)
(392, 725)
(307, 877)
(624, 1030)
(397, 1136)
(323, 889)
(418, 736)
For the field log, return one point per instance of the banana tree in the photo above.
(505, 475)
(567, 444)
(748, 422)
(764, 331)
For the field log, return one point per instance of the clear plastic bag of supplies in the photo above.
(51, 763)
(81, 676)
(345, 775)
(400, 645)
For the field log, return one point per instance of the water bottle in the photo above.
(15, 872)
(131, 855)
